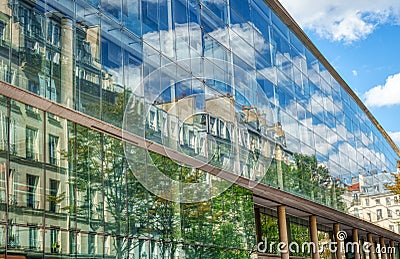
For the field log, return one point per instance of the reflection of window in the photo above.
(2, 182)
(395, 199)
(379, 214)
(33, 238)
(53, 150)
(366, 202)
(389, 212)
(85, 52)
(369, 217)
(55, 246)
(34, 87)
(72, 242)
(53, 33)
(378, 201)
(149, 14)
(2, 29)
(391, 227)
(32, 182)
(91, 243)
(32, 144)
(3, 130)
(398, 212)
(356, 213)
(54, 185)
(388, 202)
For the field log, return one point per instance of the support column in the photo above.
(392, 250)
(357, 248)
(314, 237)
(283, 233)
(340, 243)
(383, 248)
(372, 250)
(67, 62)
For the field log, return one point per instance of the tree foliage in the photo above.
(395, 187)
(308, 178)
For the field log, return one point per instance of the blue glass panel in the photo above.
(180, 11)
(131, 16)
(267, 86)
(112, 8)
(95, 3)
(210, 23)
(242, 7)
(280, 25)
(149, 16)
(219, 8)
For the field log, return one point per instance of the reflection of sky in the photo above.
(183, 40)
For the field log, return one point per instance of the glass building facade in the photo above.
(225, 82)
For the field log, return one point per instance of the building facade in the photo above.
(176, 129)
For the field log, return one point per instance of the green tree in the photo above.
(308, 178)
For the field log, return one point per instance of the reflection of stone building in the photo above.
(215, 128)
(42, 62)
(371, 201)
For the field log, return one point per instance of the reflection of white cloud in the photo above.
(336, 151)
(343, 20)
(319, 104)
(217, 2)
(269, 73)
(177, 41)
(384, 95)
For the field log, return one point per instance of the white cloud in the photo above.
(355, 73)
(396, 137)
(384, 95)
(343, 20)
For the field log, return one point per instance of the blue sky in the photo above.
(361, 39)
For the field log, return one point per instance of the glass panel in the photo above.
(113, 8)
(58, 193)
(115, 196)
(131, 16)
(26, 178)
(4, 153)
(87, 182)
(88, 66)
(7, 73)
(112, 91)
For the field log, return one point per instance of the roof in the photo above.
(354, 187)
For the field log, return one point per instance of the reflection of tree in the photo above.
(395, 187)
(307, 178)
(108, 195)
(207, 228)
(299, 234)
